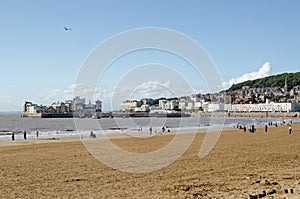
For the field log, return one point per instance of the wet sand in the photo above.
(240, 164)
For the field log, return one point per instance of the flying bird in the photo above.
(66, 29)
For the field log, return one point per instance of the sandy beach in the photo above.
(241, 165)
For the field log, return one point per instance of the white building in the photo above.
(79, 103)
(190, 105)
(182, 104)
(168, 104)
(197, 105)
(143, 108)
(162, 104)
(216, 108)
(31, 108)
(268, 107)
(130, 105)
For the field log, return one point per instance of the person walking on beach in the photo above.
(266, 128)
(150, 129)
(290, 129)
(13, 136)
(37, 135)
(25, 135)
(251, 129)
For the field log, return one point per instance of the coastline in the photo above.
(170, 115)
(60, 128)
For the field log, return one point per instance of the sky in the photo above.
(40, 60)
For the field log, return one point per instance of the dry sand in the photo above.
(241, 164)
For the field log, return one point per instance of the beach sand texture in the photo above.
(240, 165)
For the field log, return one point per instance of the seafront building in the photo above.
(168, 104)
(266, 107)
(130, 105)
(69, 108)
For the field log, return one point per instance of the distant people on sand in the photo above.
(239, 126)
(37, 135)
(13, 136)
(93, 135)
(163, 129)
(266, 128)
(25, 135)
(150, 130)
(245, 129)
(290, 129)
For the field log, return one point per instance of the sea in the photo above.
(57, 128)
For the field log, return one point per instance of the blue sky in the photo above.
(40, 60)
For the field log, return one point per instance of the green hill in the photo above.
(293, 79)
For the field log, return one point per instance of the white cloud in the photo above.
(153, 90)
(263, 71)
(68, 93)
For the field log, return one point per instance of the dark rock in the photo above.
(261, 195)
(273, 191)
(274, 183)
(253, 196)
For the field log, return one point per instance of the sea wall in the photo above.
(248, 114)
(47, 115)
(36, 115)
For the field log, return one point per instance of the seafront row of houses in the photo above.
(202, 106)
(244, 100)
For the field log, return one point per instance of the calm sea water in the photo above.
(65, 127)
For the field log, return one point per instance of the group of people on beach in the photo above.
(252, 128)
(163, 130)
(24, 135)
